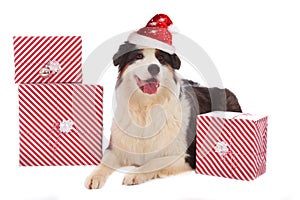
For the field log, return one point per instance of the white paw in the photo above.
(95, 181)
(135, 179)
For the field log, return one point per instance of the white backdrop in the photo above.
(255, 46)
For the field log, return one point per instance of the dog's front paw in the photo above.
(95, 181)
(135, 179)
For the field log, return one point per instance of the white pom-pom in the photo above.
(173, 29)
(53, 66)
(66, 126)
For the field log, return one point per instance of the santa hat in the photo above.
(156, 34)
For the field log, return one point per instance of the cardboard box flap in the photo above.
(234, 115)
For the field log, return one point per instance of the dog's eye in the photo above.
(160, 58)
(139, 56)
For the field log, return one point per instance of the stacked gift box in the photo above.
(60, 118)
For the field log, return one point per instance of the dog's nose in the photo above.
(153, 69)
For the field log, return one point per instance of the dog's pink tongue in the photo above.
(150, 88)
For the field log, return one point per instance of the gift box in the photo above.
(231, 145)
(60, 118)
(60, 124)
(46, 59)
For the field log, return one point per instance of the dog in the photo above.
(155, 118)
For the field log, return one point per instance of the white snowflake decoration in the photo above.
(53, 66)
(66, 126)
(221, 148)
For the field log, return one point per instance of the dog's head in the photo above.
(146, 71)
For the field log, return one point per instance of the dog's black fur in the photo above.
(204, 100)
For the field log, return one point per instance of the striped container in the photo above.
(60, 118)
(60, 124)
(47, 59)
(231, 145)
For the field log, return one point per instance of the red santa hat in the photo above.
(156, 34)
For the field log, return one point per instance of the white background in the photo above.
(255, 46)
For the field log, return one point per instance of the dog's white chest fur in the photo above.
(143, 131)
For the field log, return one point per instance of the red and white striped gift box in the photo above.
(60, 124)
(231, 145)
(35, 54)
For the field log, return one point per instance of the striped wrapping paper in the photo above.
(60, 124)
(231, 145)
(32, 54)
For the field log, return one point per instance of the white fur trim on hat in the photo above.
(173, 29)
(142, 40)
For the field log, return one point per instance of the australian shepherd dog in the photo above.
(155, 117)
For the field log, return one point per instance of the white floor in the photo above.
(57, 183)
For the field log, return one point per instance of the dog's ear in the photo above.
(119, 57)
(175, 61)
